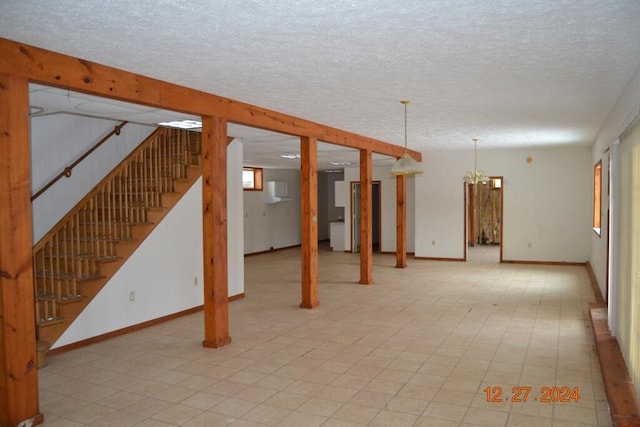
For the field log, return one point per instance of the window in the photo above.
(252, 178)
(597, 196)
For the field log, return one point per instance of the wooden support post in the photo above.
(214, 217)
(366, 218)
(18, 359)
(309, 171)
(471, 239)
(401, 221)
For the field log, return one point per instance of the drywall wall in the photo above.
(235, 223)
(166, 272)
(277, 225)
(327, 210)
(387, 205)
(58, 140)
(624, 112)
(624, 323)
(547, 203)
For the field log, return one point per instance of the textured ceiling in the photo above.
(512, 73)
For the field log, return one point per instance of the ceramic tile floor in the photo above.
(417, 348)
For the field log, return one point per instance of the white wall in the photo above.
(547, 203)
(58, 140)
(272, 226)
(162, 271)
(235, 223)
(625, 111)
(327, 210)
(623, 322)
(388, 207)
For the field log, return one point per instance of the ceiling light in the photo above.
(406, 165)
(340, 163)
(183, 124)
(290, 156)
(477, 176)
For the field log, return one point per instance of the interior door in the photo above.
(355, 217)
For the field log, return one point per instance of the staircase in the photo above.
(74, 261)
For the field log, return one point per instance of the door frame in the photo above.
(467, 216)
(352, 214)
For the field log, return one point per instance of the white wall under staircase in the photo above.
(166, 272)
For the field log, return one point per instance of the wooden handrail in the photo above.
(69, 169)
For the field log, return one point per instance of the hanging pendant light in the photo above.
(406, 165)
(477, 176)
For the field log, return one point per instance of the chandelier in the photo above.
(477, 176)
(406, 165)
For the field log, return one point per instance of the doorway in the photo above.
(483, 221)
(355, 216)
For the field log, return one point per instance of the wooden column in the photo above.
(401, 221)
(366, 218)
(18, 360)
(214, 217)
(309, 172)
(471, 239)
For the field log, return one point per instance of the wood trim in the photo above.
(624, 405)
(258, 178)
(237, 297)
(395, 253)
(465, 225)
(594, 285)
(58, 70)
(272, 250)
(513, 261)
(428, 258)
(309, 221)
(18, 368)
(366, 218)
(501, 216)
(214, 217)
(471, 238)
(123, 331)
(401, 221)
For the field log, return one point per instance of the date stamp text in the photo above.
(553, 394)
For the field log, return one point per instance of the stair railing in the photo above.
(70, 252)
(68, 171)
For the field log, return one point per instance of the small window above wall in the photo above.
(597, 196)
(252, 178)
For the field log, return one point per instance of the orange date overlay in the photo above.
(522, 393)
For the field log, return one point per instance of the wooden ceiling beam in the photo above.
(63, 71)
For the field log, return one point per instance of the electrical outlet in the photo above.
(529, 245)
(433, 242)
(132, 296)
(195, 280)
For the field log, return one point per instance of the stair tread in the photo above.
(87, 256)
(61, 275)
(50, 322)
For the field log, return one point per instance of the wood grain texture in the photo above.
(401, 221)
(309, 207)
(624, 404)
(366, 218)
(54, 69)
(18, 359)
(214, 217)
